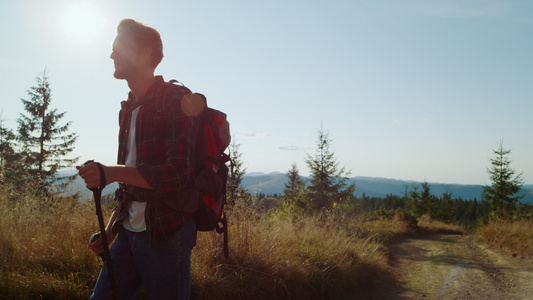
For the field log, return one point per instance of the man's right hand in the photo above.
(91, 174)
(96, 242)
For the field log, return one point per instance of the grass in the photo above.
(515, 237)
(42, 249)
(276, 255)
(428, 225)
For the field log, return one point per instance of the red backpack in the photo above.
(213, 139)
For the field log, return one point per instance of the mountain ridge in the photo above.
(377, 186)
(274, 183)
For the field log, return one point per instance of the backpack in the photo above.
(212, 174)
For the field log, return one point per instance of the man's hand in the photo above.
(96, 242)
(128, 175)
(91, 174)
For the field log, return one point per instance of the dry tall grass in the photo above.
(428, 225)
(280, 256)
(43, 252)
(515, 237)
(43, 246)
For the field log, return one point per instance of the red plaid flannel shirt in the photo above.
(165, 139)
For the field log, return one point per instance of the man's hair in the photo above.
(144, 36)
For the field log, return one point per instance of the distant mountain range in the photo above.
(274, 183)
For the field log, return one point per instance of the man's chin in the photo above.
(119, 75)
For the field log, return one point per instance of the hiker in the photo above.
(153, 222)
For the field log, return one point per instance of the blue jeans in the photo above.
(164, 271)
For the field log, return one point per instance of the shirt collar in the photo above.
(153, 91)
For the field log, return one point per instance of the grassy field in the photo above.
(276, 256)
(514, 237)
(44, 255)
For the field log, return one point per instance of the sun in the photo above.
(82, 22)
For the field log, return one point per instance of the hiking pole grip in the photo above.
(103, 181)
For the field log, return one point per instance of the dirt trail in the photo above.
(457, 267)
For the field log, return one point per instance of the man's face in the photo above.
(126, 57)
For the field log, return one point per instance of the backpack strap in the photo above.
(224, 230)
(192, 104)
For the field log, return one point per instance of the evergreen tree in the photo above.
(502, 194)
(11, 167)
(412, 201)
(393, 202)
(460, 209)
(294, 191)
(447, 208)
(7, 144)
(45, 142)
(428, 202)
(328, 184)
(234, 185)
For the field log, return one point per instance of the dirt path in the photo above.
(457, 267)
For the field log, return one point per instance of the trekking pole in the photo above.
(97, 193)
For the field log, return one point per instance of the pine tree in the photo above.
(45, 142)
(11, 168)
(447, 208)
(328, 183)
(411, 200)
(7, 144)
(428, 202)
(234, 185)
(294, 191)
(502, 194)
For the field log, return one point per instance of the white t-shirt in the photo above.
(135, 221)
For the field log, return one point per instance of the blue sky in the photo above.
(413, 89)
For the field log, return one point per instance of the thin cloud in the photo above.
(251, 134)
(291, 148)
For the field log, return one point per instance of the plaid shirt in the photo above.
(165, 138)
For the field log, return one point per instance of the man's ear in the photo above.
(146, 54)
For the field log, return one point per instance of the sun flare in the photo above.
(82, 22)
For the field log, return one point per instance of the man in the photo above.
(153, 218)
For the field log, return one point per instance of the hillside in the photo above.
(273, 183)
